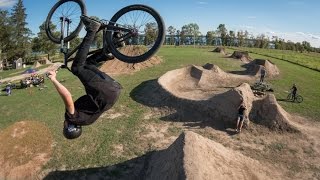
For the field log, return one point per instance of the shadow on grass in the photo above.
(150, 93)
(133, 169)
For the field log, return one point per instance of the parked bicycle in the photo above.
(298, 98)
(134, 33)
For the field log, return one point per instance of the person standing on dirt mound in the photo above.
(102, 91)
(240, 119)
(262, 74)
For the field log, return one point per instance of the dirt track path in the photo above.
(23, 76)
(310, 129)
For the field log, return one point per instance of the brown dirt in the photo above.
(116, 66)
(192, 156)
(220, 50)
(241, 55)
(220, 103)
(256, 65)
(24, 148)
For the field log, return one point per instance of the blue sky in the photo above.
(295, 20)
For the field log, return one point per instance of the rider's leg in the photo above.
(98, 57)
(78, 65)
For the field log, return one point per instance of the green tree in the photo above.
(5, 30)
(241, 38)
(232, 36)
(306, 45)
(171, 30)
(210, 37)
(151, 31)
(20, 43)
(192, 30)
(41, 43)
(222, 31)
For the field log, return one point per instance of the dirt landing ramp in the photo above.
(116, 66)
(242, 55)
(202, 91)
(256, 65)
(199, 82)
(220, 50)
(194, 157)
(268, 112)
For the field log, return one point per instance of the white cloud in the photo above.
(246, 27)
(252, 17)
(202, 2)
(7, 3)
(313, 39)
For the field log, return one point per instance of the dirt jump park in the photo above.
(202, 100)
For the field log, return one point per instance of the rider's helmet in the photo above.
(71, 131)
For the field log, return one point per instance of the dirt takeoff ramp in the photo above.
(116, 66)
(199, 82)
(220, 50)
(241, 55)
(194, 157)
(212, 94)
(254, 68)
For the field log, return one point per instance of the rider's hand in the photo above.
(51, 74)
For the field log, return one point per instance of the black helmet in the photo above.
(71, 131)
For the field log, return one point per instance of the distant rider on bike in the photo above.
(294, 91)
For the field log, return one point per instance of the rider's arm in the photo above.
(63, 92)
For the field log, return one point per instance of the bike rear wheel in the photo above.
(141, 30)
(68, 11)
(299, 98)
(289, 97)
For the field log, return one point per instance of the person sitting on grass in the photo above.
(102, 91)
(240, 119)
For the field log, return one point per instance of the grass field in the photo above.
(96, 147)
(309, 60)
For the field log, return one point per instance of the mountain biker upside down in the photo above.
(102, 91)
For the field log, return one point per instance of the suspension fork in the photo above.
(64, 48)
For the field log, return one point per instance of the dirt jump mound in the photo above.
(198, 82)
(242, 55)
(268, 112)
(24, 148)
(256, 65)
(116, 66)
(192, 156)
(211, 93)
(220, 50)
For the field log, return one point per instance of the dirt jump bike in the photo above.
(297, 99)
(134, 33)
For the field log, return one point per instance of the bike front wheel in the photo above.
(299, 99)
(135, 33)
(63, 20)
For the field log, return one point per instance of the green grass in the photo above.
(309, 60)
(94, 148)
(307, 80)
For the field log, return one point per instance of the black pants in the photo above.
(94, 81)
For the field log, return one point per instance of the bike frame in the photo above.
(65, 48)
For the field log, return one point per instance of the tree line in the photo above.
(190, 34)
(17, 41)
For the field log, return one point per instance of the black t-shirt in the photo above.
(241, 110)
(86, 111)
(89, 107)
(294, 89)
